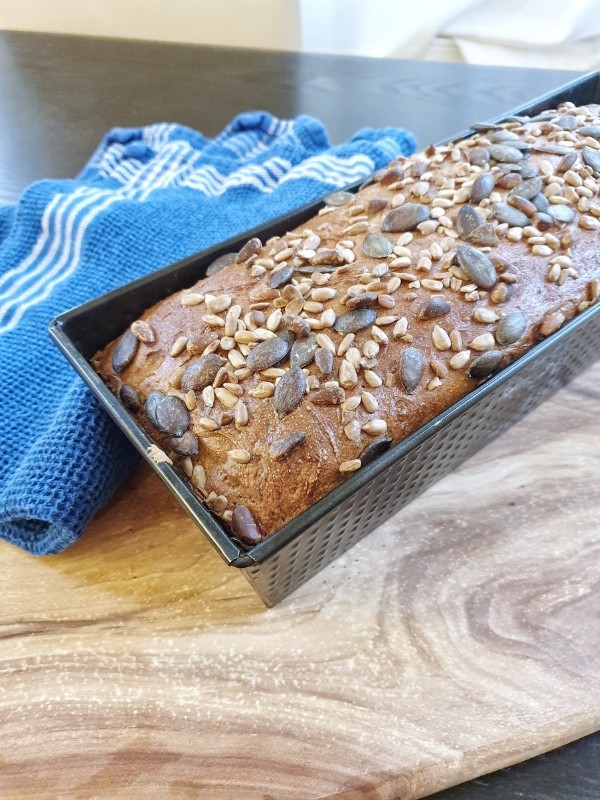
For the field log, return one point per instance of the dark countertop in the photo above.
(59, 94)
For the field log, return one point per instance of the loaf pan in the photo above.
(302, 547)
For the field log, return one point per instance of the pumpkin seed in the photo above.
(244, 527)
(553, 149)
(562, 213)
(172, 415)
(478, 156)
(511, 328)
(590, 130)
(250, 249)
(356, 320)
(282, 448)
(483, 186)
(566, 163)
(528, 189)
(505, 213)
(324, 362)
(567, 123)
(328, 396)
(125, 351)
(505, 153)
(339, 198)
(375, 245)
(303, 351)
(485, 364)
(281, 277)
(289, 391)
(129, 396)
(362, 300)
(476, 265)
(541, 202)
(591, 158)
(375, 205)
(223, 261)
(201, 372)
(483, 236)
(405, 218)
(185, 445)
(412, 364)
(467, 219)
(435, 307)
(268, 354)
(375, 449)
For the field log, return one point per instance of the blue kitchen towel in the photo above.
(149, 196)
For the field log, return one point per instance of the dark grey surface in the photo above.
(58, 96)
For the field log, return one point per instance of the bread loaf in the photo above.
(302, 358)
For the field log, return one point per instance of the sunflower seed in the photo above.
(440, 339)
(201, 372)
(485, 364)
(551, 322)
(126, 349)
(405, 218)
(347, 376)
(130, 398)
(303, 351)
(375, 427)
(251, 248)
(171, 415)
(324, 362)
(281, 277)
(225, 397)
(485, 315)
(412, 364)
(562, 213)
(239, 455)
(185, 445)
(198, 478)
(240, 414)
(216, 304)
(282, 448)
(476, 265)
(434, 308)
(467, 220)
(369, 402)
(191, 299)
(355, 320)
(372, 378)
(339, 198)
(375, 245)
(143, 331)
(484, 341)
(350, 466)
(244, 527)
(267, 354)
(460, 359)
(511, 328)
(289, 392)
(505, 213)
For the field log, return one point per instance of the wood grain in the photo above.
(60, 94)
(460, 637)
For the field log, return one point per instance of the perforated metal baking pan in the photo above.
(302, 547)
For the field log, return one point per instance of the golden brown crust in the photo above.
(548, 273)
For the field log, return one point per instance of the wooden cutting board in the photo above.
(460, 637)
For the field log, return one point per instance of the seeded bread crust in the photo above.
(544, 272)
